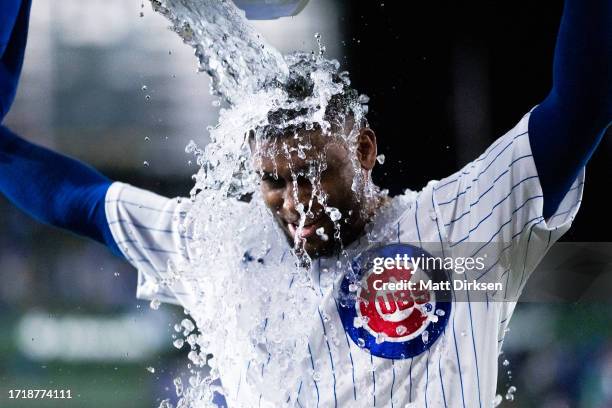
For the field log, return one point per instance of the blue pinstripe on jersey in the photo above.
(373, 379)
(410, 376)
(348, 345)
(437, 221)
(314, 370)
(474, 347)
(426, 378)
(457, 356)
(441, 378)
(298, 394)
(473, 165)
(331, 359)
(452, 221)
(141, 206)
(392, 382)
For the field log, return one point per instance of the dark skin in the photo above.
(336, 181)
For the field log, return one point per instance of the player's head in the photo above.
(307, 172)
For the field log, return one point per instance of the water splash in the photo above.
(235, 56)
(245, 286)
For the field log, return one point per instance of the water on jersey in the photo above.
(251, 289)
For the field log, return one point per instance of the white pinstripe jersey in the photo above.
(495, 198)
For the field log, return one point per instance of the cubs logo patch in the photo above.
(385, 308)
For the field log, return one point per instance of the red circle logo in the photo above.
(396, 314)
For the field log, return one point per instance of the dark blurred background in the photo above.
(117, 89)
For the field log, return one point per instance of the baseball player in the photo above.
(523, 191)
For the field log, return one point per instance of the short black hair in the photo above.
(300, 86)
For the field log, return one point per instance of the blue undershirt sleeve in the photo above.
(14, 16)
(567, 126)
(54, 189)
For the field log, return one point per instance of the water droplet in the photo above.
(178, 343)
(154, 304)
(147, 138)
(425, 336)
(440, 312)
(151, 369)
(380, 159)
(194, 357)
(144, 88)
(145, 163)
(505, 363)
(188, 325)
(361, 342)
(334, 213)
(147, 97)
(400, 330)
(178, 386)
(321, 233)
(510, 393)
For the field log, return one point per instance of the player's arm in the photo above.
(50, 187)
(14, 16)
(567, 126)
(54, 189)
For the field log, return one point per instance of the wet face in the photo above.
(298, 184)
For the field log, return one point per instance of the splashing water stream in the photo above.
(264, 308)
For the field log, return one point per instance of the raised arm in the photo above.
(54, 189)
(567, 126)
(14, 17)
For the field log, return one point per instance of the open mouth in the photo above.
(307, 230)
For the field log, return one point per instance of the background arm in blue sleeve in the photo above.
(568, 125)
(54, 189)
(14, 17)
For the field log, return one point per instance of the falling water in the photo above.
(236, 57)
(242, 284)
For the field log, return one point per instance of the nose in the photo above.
(289, 208)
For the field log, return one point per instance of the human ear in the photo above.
(366, 148)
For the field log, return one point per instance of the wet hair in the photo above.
(300, 86)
